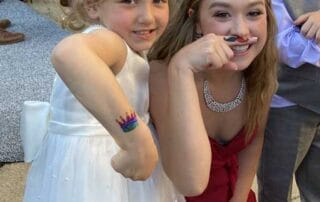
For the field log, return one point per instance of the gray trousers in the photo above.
(291, 146)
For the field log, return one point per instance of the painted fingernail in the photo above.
(253, 38)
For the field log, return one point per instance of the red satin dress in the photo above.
(224, 171)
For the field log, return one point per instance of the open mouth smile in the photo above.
(145, 34)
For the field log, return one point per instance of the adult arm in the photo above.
(87, 63)
(184, 145)
(248, 163)
(294, 48)
(175, 109)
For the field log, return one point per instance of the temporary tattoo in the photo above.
(128, 123)
(230, 38)
(235, 38)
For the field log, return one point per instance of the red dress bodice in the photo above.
(224, 171)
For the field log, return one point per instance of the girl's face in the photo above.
(138, 22)
(243, 18)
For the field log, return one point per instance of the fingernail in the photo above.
(253, 38)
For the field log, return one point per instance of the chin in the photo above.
(242, 65)
(141, 47)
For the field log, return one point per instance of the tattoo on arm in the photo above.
(129, 123)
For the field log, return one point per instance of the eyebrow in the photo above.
(227, 5)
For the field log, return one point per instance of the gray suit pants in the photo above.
(292, 146)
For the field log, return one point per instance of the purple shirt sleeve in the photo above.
(293, 47)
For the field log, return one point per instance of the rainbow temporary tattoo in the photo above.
(129, 123)
(235, 38)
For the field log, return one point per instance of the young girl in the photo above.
(214, 81)
(99, 110)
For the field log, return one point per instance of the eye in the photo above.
(128, 1)
(160, 1)
(221, 14)
(255, 13)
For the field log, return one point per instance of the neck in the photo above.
(222, 78)
(224, 85)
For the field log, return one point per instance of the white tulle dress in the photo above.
(73, 163)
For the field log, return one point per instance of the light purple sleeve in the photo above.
(293, 47)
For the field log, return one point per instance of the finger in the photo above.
(234, 40)
(121, 165)
(222, 54)
(118, 162)
(305, 28)
(318, 37)
(213, 60)
(231, 65)
(311, 34)
(228, 51)
(302, 19)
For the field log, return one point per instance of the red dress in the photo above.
(224, 171)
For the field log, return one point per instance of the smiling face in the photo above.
(245, 19)
(138, 22)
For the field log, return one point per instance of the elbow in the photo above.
(67, 48)
(192, 189)
(59, 53)
(57, 56)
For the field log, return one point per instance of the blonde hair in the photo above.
(79, 8)
(261, 75)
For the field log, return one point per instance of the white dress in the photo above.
(73, 164)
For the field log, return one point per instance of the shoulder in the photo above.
(105, 44)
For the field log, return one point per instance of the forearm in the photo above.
(95, 86)
(187, 152)
(248, 162)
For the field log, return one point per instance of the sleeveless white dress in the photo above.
(73, 163)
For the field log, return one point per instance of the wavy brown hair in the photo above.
(261, 75)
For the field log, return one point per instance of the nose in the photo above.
(240, 28)
(146, 15)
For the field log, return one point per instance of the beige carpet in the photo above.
(12, 180)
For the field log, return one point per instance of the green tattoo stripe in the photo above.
(129, 123)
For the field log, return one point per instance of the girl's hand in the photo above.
(209, 52)
(310, 25)
(137, 162)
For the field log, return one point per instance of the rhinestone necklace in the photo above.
(215, 106)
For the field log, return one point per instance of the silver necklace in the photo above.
(215, 106)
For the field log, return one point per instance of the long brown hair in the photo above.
(261, 75)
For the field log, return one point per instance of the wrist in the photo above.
(178, 67)
(141, 135)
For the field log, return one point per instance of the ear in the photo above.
(198, 28)
(92, 10)
(190, 12)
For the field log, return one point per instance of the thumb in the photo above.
(118, 161)
(231, 66)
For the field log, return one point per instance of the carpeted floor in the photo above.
(26, 72)
(12, 180)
